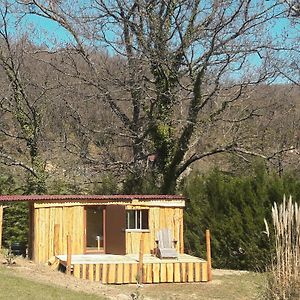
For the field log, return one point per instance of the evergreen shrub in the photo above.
(15, 218)
(233, 208)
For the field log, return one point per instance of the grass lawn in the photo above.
(31, 282)
(228, 287)
(13, 287)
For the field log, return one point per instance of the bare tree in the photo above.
(183, 70)
(20, 107)
(293, 7)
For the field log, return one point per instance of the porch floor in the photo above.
(128, 258)
(119, 269)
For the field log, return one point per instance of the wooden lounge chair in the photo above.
(166, 247)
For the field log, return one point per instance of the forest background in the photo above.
(192, 97)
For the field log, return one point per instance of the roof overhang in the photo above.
(69, 200)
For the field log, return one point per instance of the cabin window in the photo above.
(137, 219)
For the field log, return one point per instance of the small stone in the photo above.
(123, 297)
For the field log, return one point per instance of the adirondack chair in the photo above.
(165, 244)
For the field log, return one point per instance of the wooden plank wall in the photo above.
(31, 230)
(70, 220)
(152, 272)
(159, 217)
(1, 224)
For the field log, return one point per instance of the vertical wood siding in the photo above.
(70, 220)
(159, 217)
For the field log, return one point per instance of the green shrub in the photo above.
(60, 187)
(107, 185)
(15, 223)
(15, 217)
(233, 208)
(141, 185)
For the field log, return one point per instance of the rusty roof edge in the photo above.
(8, 198)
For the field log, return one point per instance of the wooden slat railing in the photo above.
(120, 273)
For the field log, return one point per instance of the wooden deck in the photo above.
(118, 269)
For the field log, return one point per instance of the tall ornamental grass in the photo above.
(284, 275)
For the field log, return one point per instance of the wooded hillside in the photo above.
(142, 93)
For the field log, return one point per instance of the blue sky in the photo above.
(46, 31)
(50, 28)
(49, 33)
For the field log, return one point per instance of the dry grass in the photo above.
(26, 280)
(283, 282)
(234, 286)
(16, 287)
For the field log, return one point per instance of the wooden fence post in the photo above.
(56, 240)
(208, 255)
(1, 223)
(141, 257)
(69, 254)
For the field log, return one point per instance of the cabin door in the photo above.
(94, 237)
(115, 227)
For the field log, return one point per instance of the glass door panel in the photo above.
(94, 228)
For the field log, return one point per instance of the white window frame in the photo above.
(137, 227)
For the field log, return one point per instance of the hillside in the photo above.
(81, 159)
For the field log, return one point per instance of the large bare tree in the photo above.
(175, 76)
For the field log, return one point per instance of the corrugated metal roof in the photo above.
(100, 198)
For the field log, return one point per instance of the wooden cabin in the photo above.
(102, 224)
